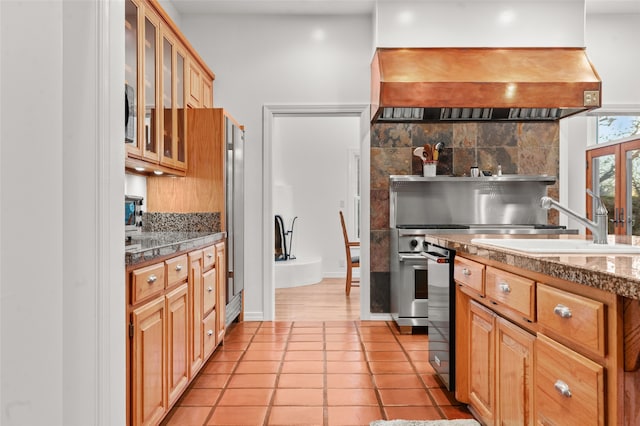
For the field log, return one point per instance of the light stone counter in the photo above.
(619, 274)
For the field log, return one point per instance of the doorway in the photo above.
(306, 158)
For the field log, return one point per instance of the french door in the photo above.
(613, 174)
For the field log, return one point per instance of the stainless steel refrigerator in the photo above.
(234, 216)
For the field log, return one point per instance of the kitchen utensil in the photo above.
(419, 152)
(428, 153)
(474, 172)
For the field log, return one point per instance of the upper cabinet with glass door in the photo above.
(157, 57)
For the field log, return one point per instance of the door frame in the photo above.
(270, 112)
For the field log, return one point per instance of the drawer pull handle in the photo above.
(562, 311)
(504, 287)
(209, 255)
(210, 289)
(562, 388)
(152, 279)
(466, 272)
(178, 268)
(210, 333)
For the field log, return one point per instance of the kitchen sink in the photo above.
(558, 246)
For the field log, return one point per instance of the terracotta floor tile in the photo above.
(415, 346)
(443, 397)
(296, 416)
(238, 337)
(382, 346)
(367, 324)
(347, 367)
(211, 381)
(345, 356)
(257, 367)
(351, 397)
(257, 355)
(389, 367)
(372, 337)
(195, 397)
(218, 367)
(252, 381)
(456, 412)
(412, 413)
(386, 356)
(235, 346)
(402, 397)
(351, 381)
(301, 380)
(270, 338)
(305, 346)
(267, 346)
(423, 367)
(305, 324)
(306, 338)
(306, 397)
(306, 330)
(342, 329)
(304, 356)
(398, 381)
(247, 416)
(244, 326)
(302, 367)
(418, 356)
(230, 356)
(431, 381)
(341, 338)
(338, 324)
(277, 324)
(189, 416)
(274, 331)
(350, 415)
(343, 346)
(246, 397)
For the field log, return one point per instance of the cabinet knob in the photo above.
(562, 311)
(210, 289)
(562, 388)
(210, 333)
(466, 272)
(209, 255)
(152, 279)
(178, 268)
(504, 287)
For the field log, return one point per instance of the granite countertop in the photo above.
(619, 274)
(147, 246)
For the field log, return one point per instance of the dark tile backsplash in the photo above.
(181, 222)
(520, 148)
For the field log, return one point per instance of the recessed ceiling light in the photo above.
(157, 172)
(140, 169)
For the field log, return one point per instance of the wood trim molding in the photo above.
(631, 335)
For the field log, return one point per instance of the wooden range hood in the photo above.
(481, 84)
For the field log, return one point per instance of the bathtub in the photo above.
(298, 272)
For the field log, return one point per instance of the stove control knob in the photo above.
(425, 245)
(413, 243)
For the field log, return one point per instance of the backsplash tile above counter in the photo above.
(181, 222)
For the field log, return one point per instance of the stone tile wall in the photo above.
(520, 148)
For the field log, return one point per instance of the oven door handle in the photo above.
(411, 257)
(438, 258)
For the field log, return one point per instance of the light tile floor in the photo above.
(315, 373)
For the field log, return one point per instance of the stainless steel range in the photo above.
(449, 205)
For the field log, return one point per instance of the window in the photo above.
(616, 127)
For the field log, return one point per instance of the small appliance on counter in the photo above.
(132, 215)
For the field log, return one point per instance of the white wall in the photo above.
(310, 156)
(522, 23)
(258, 60)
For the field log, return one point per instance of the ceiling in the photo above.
(341, 7)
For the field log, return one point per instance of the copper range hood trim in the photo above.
(482, 84)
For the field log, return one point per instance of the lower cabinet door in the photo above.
(569, 387)
(209, 333)
(148, 364)
(482, 362)
(178, 342)
(514, 374)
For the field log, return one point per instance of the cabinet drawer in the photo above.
(470, 274)
(569, 387)
(209, 257)
(511, 290)
(208, 290)
(147, 282)
(576, 318)
(210, 334)
(177, 270)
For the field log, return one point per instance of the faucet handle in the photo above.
(601, 208)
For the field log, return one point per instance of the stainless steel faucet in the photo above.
(597, 228)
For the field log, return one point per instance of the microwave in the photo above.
(132, 213)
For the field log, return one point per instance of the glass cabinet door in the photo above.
(131, 75)
(181, 112)
(150, 76)
(167, 101)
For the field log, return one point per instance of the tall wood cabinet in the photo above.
(158, 63)
(173, 328)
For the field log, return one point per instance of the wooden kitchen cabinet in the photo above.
(561, 364)
(178, 342)
(157, 58)
(221, 299)
(196, 355)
